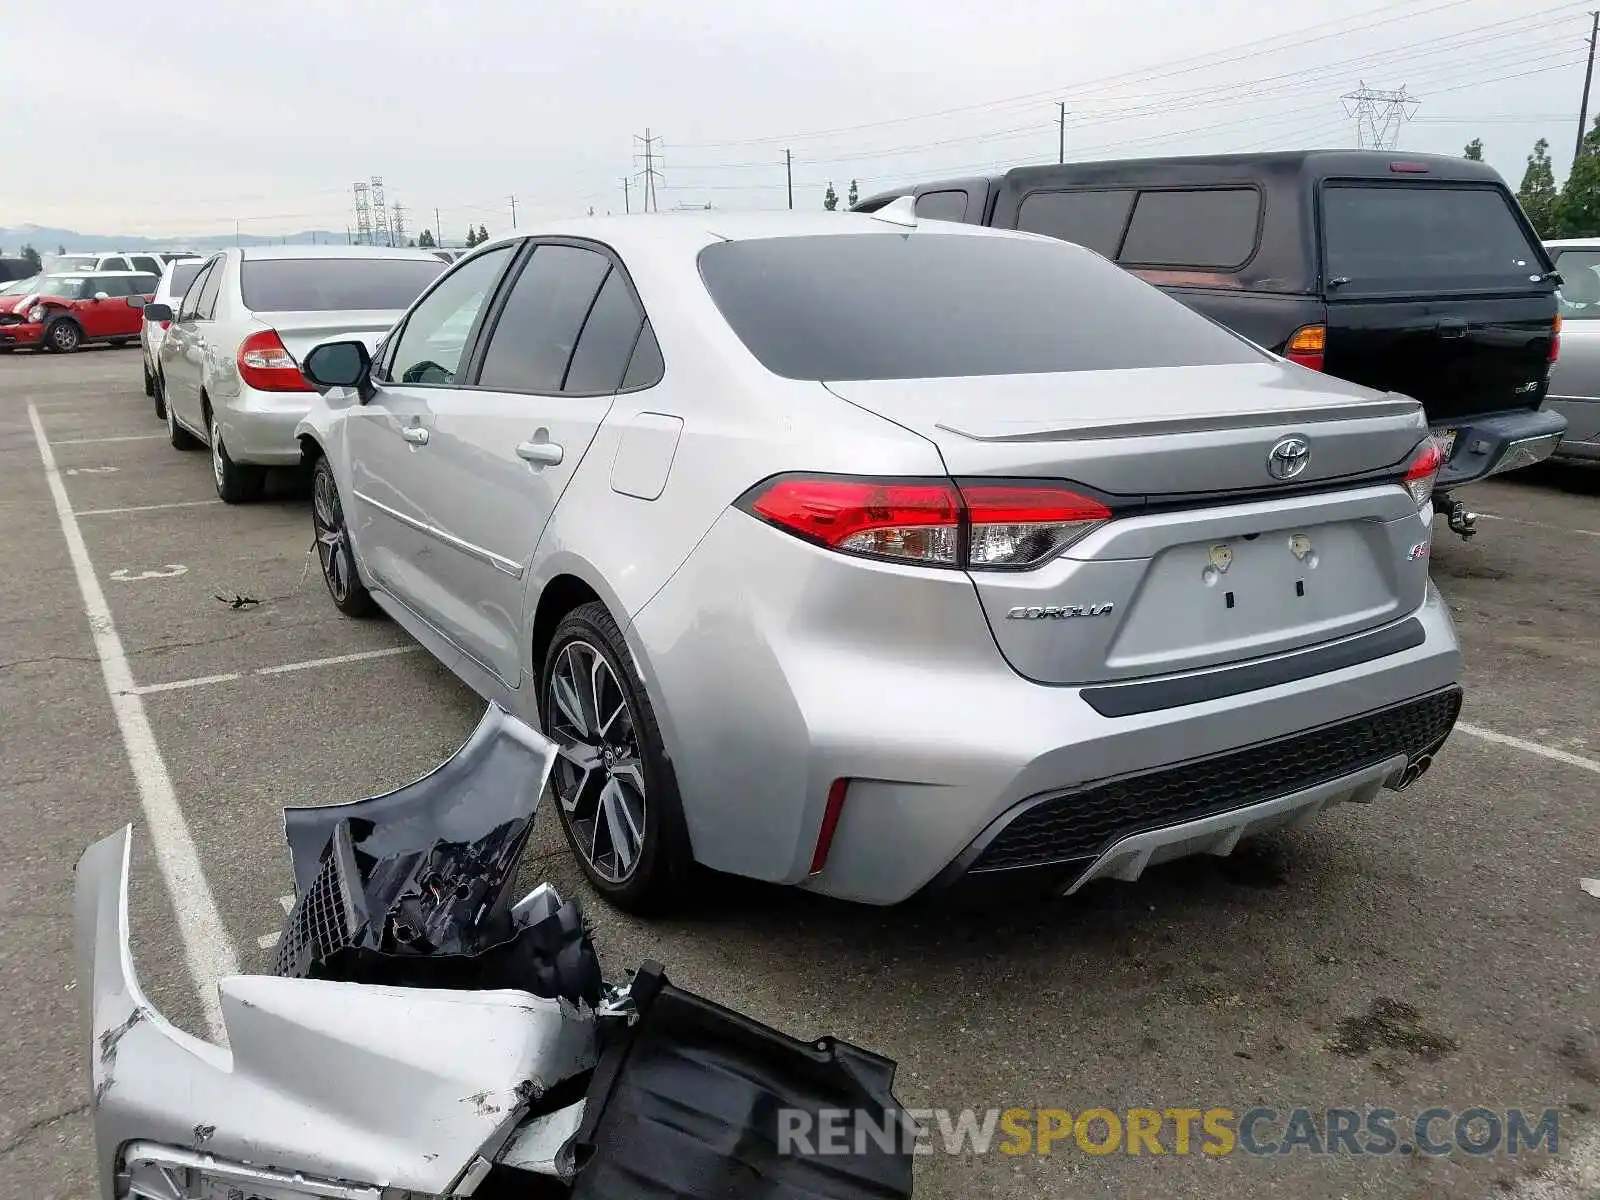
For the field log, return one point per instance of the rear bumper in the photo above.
(258, 427)
(1498, 442)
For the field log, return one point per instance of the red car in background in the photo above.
(62, 312)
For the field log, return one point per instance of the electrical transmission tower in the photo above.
(363, 214)
(397, 222)
(1379, 115)
(380, 215)
(649, 174)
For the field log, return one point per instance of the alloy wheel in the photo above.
(64, 336)
(217, 466)
(328, 517)
(599, 777)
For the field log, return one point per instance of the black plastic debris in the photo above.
(413, 888)
(693, 1100)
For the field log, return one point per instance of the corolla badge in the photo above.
(1058, 612)
(1289, 457)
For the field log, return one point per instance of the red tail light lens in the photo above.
(1307, 346)
(830, 823)
(165, 325)
(976, 525)
(1424, 469)
(267, 366)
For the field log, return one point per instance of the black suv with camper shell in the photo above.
(1416, 274)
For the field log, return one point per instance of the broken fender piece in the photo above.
(376, 1086)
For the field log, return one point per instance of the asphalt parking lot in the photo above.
(1432, 949)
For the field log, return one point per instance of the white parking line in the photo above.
(310, 664)
(1527, 747)
(1540, 525)
(132, 437)
(207, 949)
(106, 512)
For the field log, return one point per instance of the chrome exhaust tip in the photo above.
(1414, 771)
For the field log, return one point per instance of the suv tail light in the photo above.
(1307, 345)
(978, 524)
(1424, 469)
(267, 366)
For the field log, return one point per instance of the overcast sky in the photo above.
(150, 119)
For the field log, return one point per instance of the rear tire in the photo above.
(150, 386)
(611, 746)
(63, 336)
(237, 483)
(334, 551)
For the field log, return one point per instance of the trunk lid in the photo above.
(1208, 559)
(299, 331)
(1437, 291)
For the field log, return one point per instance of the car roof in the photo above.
(256, 253)
(1580, 243)
(701, 228)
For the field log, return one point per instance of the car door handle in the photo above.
(546, 454)
(417, 435)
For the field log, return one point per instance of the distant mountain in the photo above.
(45, 240)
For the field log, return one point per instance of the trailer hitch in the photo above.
(1463, 521)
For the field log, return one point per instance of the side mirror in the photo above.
(99, 296)
(157, 312)
(339, 364)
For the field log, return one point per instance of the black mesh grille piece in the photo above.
(326, 918)
(1081, 824)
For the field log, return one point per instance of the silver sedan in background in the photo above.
(1575, 379)
(227, 373)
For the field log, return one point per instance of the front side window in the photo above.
(430, 346)
(114, 264)
(143, 262)
(932, 304)
(536, 332)
(1580, 284)
(115, 286)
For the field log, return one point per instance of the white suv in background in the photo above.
(175, 280)
(143, 261)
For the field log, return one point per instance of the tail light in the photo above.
(1307, 346)
(267, 366)
(1424, 469)
(1555, 339)
(979, 525)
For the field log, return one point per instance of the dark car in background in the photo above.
(1416, 274)
(13, 268)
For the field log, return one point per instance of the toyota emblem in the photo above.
(1289, 457)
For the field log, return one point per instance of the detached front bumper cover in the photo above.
(473, 1056)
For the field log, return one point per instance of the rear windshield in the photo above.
(929, 305)
(327, 284)
(183, 275)
(1420, 237)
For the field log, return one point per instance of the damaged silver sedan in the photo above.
(424, 1034)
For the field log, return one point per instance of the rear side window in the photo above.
(1580, 284)
(329, 284)
(929, 304)
(601, 358)
(1203, 227)
(1092, 219)
(942, 206)
(538, 327)
(143, 262)
(1411, 238)
(183, 275)
(646, 367)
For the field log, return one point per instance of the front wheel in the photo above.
(614, 788)
(338, 559)
(150, 386)
(237, 483)
(63, 337)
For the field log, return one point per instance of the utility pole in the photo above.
(438, 229)
(627, 205)
(1583, 107)
(1061, 122)
(236, 231)
(381, 236)
(788, 173)
(649, 175)
(513, 212)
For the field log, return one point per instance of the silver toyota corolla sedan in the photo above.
(1575, 378)
(227, 370)
(841, 552)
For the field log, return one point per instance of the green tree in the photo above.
(483, 235)
(61, 249)
(425, 239)
(850, 200)
(32, 255)
(1578, 209)
(1538, 192)
(1474, 150)
(830, 198)
(472, 237)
